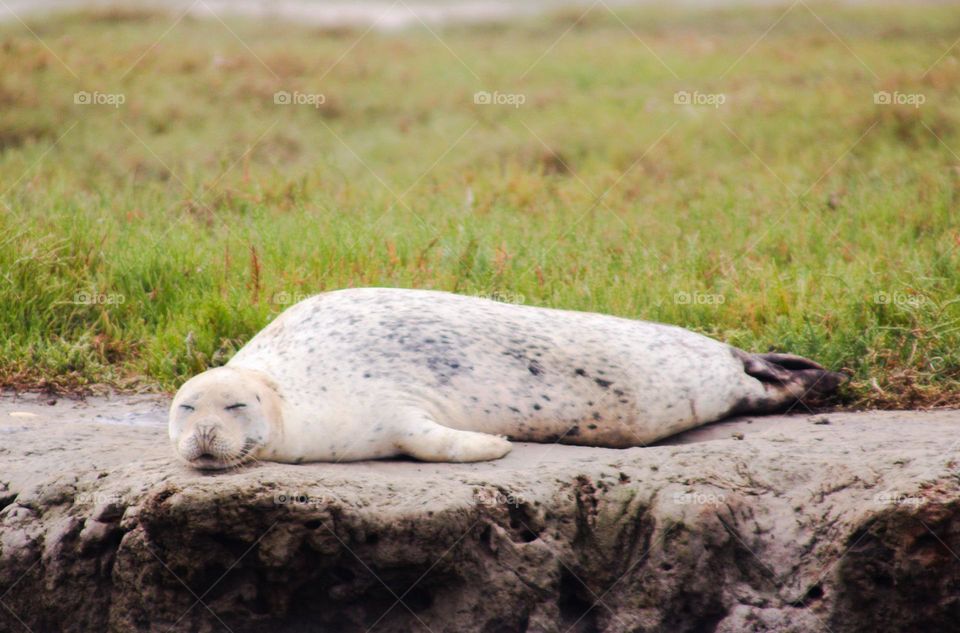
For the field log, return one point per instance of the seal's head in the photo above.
(224, 417)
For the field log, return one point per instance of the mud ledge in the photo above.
(844, 522)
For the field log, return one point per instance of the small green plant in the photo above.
(164, 192)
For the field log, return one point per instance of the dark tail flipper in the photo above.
(788, 380)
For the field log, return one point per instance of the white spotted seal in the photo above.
(378, 372)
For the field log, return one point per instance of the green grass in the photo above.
(199, 208)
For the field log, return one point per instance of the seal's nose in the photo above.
(205, 432)
(207, 428)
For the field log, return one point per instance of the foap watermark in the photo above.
(98, 498)
(902, 299)
(115, 99)
(697, 98)
(285, 298)
(98, 298)
(514, 99)
(303, 499)
(314, 99)
(491, 498)
(885, 97)
(684, 298)
(897, 499)
(502, 296)
(699, 498)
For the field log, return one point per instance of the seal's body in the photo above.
(376, 372)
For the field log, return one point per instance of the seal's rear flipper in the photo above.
(787, 380)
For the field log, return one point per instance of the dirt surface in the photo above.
(833, 523)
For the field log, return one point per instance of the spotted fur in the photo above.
(375, 372)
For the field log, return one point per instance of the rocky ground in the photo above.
(833, 523)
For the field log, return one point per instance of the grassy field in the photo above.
(783, 207)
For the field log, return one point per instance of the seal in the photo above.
(378, 372)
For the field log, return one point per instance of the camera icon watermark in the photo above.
(884, 97)
(499, 98)
(697, 98)
(97, 498)
(284, 97)
(502, 296)
(299, 498)
(98, 298)
(115, 99)
(685, 298)
(285, 298)
(897, 499)
(901, 299)
(699, 498)
(493, 498)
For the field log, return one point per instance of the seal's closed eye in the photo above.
(238, 405)
(187, 407)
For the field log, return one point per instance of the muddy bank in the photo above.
(844, 522)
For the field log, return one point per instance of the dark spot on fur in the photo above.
(596, 415)
(603, 383)
(536, 407)
(580, 372)
(574, 431)
(592, 426)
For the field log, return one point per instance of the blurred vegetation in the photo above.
(144, 241)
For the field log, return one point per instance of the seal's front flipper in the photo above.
(788, 380)
(424, 439)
